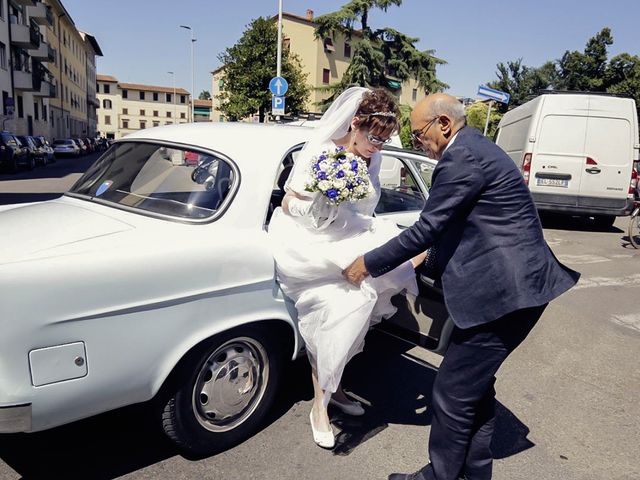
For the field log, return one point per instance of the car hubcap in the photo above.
(230, 384)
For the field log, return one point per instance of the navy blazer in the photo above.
(490, 247)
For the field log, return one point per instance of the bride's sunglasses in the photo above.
(377, 141)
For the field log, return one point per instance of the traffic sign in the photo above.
(491, 94)
(277, 105)
(278, 86)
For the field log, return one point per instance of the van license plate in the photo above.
(552, 182)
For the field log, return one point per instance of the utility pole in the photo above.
(192, 73)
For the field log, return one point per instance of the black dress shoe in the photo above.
(403, 476)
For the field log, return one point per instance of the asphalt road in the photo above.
(568, 398)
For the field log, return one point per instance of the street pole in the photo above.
(175, 111)
(279, 55)
(192, 73)
(486, 125)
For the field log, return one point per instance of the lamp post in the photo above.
(175, 112)
(192, 72)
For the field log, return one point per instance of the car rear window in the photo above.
(160, 179)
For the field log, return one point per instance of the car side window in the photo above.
(399, 190)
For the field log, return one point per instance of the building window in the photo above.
(183, 115)
(125, 123)
(155, 96)
(141, 95)
(3, 54)
(183, 99)
(328, 45)
(35, 110)
(286, 44)
(107, 88)
(142, 113)
(155, 113)
(125, 111)
(97, 88)
(168, 114)
(414, 94)
(107, 119)
(168, 97)
(325, 75)
(168, 123)
(156, 124)
(106, 104)
(143, 124)
(347, 50)
(125, 93)
(20, 109)
(44, 113)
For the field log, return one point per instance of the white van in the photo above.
(576, 152)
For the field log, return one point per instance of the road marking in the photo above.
(582, 259)
(629, 281)
(630, 321)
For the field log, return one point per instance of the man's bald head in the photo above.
(437, 104)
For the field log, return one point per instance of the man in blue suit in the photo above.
(498, 275)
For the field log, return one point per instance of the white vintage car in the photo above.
(152, 279)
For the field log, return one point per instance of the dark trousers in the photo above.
(463, 402)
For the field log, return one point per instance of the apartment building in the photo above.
(45, 70)
(202, 110)
(323, 60)
(128, 107)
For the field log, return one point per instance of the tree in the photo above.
(521, 82)
(585, 71)
(382, 57)
(622, 76)
(249, 65)
(477, 117)
(204, 95)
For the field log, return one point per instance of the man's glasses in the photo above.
(416, 135)
(377, 141)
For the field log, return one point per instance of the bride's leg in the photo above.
(320, 415)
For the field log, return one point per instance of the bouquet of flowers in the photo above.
(339, 176)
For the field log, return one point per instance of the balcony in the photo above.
(23, 80)
(47, 89)
(26, 3)
(40, 13)
(25, 36)
(44, 52)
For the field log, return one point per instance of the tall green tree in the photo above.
(585, 70)
(477, 117)
(380, 57)
(204, 95)
(249, 65)
(521, 82)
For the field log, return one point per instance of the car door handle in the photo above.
(593, 170)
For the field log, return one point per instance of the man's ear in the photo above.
(446, 125)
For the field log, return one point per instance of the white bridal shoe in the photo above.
(351, 408)
(323, 439)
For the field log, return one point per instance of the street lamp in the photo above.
(192, 72)
(175, 112)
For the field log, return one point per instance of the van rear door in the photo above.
(558, 152)
(606, 168)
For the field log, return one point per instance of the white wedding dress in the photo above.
(334, 316)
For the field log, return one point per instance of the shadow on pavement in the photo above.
(61, 168)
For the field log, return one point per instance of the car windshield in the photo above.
(159, 179)
(9, 140)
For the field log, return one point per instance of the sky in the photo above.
(142, 39)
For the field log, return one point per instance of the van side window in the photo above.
(400, 192)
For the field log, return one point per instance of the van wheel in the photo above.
(222, 391)
(604, 221)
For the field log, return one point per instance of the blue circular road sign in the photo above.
(278, 86)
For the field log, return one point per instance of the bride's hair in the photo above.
(378, 112)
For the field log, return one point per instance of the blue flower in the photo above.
(322, 157)
(354, 165)
(340, 174)
(332, 193)
(350, 186)
(340, 148)
(322, 176)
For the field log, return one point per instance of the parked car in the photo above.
(83, 148)
(66, 148)
(35, 152)
(44, 145)
(13, 154)
(576, 152)
(172, 270)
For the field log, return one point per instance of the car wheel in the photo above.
(31, 163)
(223, 391)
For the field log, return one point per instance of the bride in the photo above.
(314, 241)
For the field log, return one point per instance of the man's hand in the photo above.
(356, 272)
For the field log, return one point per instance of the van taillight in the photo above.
(634, 181)
(526, 167)
(591, 161)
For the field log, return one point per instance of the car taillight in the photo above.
(634, 181)
(526, 167)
